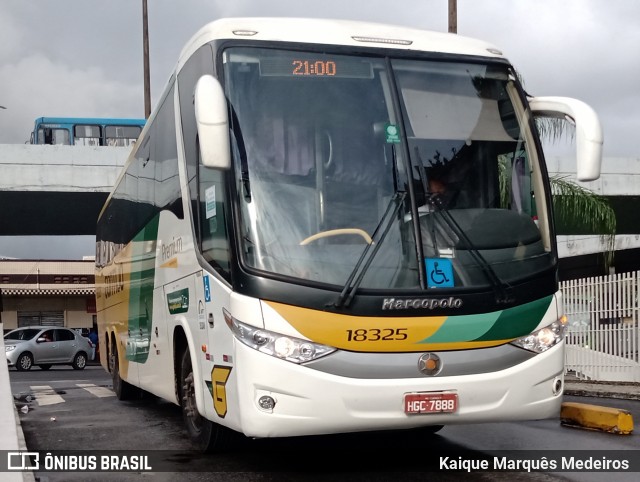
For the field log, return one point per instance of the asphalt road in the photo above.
(78, 412)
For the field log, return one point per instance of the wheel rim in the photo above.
(25, 362)
(81, 361)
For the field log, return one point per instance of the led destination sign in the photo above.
(316, 66)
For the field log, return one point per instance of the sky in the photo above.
(84, 58)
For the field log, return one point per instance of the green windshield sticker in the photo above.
(178, 301)
(392, 134)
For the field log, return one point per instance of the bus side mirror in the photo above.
(589, 136)
(213, 123)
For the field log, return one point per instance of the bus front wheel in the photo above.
(205, 435)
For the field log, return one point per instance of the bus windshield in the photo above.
(401, 173)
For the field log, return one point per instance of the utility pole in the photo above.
(453, 16)
(145, 48)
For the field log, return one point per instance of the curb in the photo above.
(594, 417)
(586, 392)
(592, 388)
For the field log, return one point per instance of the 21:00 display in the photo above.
(314, 67)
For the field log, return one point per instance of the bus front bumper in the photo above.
(310, 402)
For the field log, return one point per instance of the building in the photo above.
(39, 292)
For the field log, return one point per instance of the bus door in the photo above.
(53, 136)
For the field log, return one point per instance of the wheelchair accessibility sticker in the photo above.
(439, 273)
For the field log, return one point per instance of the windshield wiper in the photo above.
(502, 289)
(369, 252)
(242, 151)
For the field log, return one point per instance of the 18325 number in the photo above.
(377, 334)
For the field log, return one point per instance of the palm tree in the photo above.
(585, 211)
(575, 206)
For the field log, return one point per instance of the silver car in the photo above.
(45, 346)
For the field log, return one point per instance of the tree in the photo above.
(574, 205)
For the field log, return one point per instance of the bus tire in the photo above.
(122, 389)
(205, 435)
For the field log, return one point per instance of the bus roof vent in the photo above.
(382, 40)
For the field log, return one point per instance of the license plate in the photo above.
(432, 402)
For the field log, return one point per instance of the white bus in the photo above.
(276, 260)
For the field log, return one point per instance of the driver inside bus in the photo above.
(439, 188)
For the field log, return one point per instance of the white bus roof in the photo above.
(337, 32)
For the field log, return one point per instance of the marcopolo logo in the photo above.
(420, 303)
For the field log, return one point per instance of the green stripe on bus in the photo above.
(498, 325)
(518, 321)
(143, 262)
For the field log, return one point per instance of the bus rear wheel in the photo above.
(122, 389)
(205, 435)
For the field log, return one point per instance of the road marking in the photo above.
(45, 395)
(100, 392)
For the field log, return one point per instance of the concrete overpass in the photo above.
(59, 190)
(55, 190)
(619, 182)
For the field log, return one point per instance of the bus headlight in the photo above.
(541, 340)
(280, 346)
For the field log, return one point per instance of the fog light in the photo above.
(557, 386)
(266, 402)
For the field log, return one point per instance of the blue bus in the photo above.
(86, 131)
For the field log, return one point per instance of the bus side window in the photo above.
(209, 218)
(123, 136)
(87, 135)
